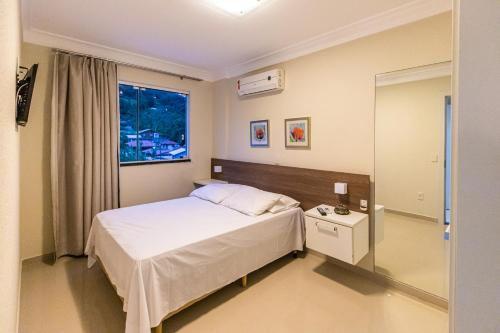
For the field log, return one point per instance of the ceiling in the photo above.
(191, 37)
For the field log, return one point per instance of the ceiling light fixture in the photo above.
(237, 7)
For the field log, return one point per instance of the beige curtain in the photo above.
(84, 147)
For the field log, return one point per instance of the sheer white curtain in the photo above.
(84, 147)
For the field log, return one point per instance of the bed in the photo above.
(163, 256)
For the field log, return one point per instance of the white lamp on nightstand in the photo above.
(340, 208)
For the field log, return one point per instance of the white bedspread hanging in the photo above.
(163, 255)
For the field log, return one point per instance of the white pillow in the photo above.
(284, 203)
(251, 201)
(215, 193)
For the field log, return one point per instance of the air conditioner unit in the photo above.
(272, 80)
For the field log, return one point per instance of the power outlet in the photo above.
(420, 196)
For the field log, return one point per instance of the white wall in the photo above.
(475, 290)
(9, 167)
(36, 212)
(409, 146)
(148, 183)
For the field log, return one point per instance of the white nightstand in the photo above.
(345, 237)
(203, 182)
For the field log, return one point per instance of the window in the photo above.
(153, 125)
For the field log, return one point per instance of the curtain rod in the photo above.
(182, 77)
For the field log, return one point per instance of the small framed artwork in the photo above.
(298, 133)
(259, 133)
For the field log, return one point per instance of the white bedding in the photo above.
(163, 255)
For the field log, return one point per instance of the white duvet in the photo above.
(163, 255)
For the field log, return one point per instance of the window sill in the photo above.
(125, 164)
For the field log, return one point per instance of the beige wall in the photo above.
(36, 218)
(9, 167)
(336, 88)
(475, 239)
(409, 146)
(148, 183)
(138, 184)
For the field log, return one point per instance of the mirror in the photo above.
(413, 175)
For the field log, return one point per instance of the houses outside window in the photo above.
(153, 125)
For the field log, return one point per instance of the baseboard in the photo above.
(413, 215)
(48, 258)
(412, 291)
(388, 282)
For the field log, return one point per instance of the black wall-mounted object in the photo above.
(24, 90)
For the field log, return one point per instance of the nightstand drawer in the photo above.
(329, 238)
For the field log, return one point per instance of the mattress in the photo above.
(162, 255)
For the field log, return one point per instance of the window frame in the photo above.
(188, 122)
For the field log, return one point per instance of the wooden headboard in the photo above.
(309, 186)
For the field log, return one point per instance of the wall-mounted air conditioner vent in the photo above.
(269, 81)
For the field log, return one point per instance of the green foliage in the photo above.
(161, 112)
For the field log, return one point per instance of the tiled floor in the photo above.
(414, 252)
(306, 295)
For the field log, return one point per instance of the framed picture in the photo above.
(298, 133)
(259, 133)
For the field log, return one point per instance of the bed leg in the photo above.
(295, 254)
(159, 328)
(244, 281)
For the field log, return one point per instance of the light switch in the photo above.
(341, 188)
(217, 168)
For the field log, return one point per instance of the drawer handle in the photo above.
(334, 228)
